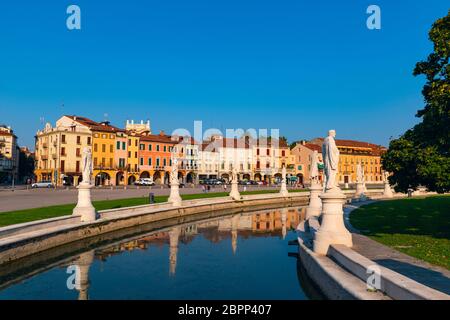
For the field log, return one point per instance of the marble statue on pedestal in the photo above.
(234, 193)
(284, 191)
(87, 165)
(84, 207)
(332, 229)
(315, 204)
(387, 187)
(330, 154)
(174, 197)
(360, 188)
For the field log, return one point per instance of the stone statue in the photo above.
(386, 176)
(359, 173)
(87, 165)
(314, 175)
(174, 172)
(331, 160)
(234, 177)
(283, 174)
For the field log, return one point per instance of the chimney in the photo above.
(161, 133)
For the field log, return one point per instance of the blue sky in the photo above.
(301, 66)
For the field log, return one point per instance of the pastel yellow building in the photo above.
(9, 155)
(59, 151)
(354, 152)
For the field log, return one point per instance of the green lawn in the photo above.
(22, 216)
(419, 227)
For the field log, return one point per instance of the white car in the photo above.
(42, 184)
(144, 182)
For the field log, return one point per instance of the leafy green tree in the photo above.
(421, 155)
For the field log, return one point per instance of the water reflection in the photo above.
(197, 248)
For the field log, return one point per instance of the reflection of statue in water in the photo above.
(84, 263)
(174, 236)
(234, 232)
(330, 154)
(87, 165)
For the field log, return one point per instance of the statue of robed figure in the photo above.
(87, 165)
(330, 154)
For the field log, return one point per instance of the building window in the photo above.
(157, 147)
(283, 153)
(142, 146)
(149, 161)
(149, 147)
(103, 147)
(63, 151)
(111, 148)
(142, 161)
(129, 142)
(164, 162)
(136, 143)
(63, 138)
(78, 152)
(89, 141)
(124, 146)
(118, 145)
(257, 152)
(135, 155)
(129, 154)
(95, 162)
(78, 140)
(77, 166)
(157, 162)
(63, 163)
(165, 149)
(103, 162)
(268, 152)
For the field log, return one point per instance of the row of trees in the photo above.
(420, 157)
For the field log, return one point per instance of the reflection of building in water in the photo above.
(271, 221)
(268, 223)
(84, 262)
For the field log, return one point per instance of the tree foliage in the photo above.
(421, 155)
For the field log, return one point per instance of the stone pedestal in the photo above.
(332, 229)
(315, 204)
(234, 194)
(387, 190)
(175, 197)
(284, 191)
(84, 207)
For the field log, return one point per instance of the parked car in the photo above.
(144, 182)
(42, 184)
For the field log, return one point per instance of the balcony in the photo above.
(54, 156)
(44, 157)
(45, 145)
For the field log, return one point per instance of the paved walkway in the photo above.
(38, 198)
(432, 276)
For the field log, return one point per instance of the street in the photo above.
(38, 198)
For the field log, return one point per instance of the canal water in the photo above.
(231, 256)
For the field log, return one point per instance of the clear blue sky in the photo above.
(301, 66)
